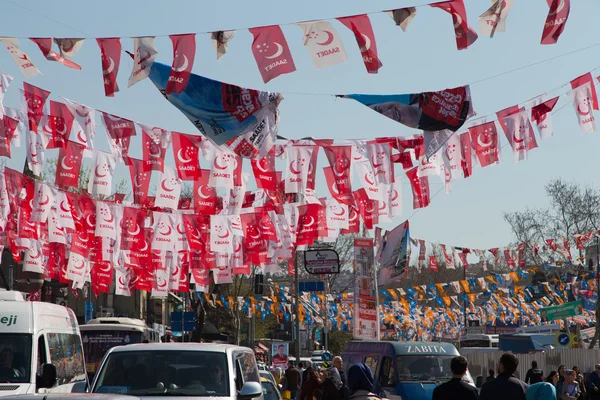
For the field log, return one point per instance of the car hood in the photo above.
(416, 390)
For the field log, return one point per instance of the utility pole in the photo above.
(297, 305)
(597, 333)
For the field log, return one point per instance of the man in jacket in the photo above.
(292, 378)
(534, 374)
(505, 386)
(456, 388)
(339, 364)
(594, 385)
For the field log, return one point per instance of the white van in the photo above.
(40, 347)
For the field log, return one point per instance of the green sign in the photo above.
(562, 311)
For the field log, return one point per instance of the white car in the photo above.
(169, 370)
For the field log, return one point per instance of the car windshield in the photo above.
(269, 391)
(424, 367)
(164, 373)
(97, 343)
(15, 358)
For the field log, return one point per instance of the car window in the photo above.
(372, 361)
(66, 354)
(249, 368)
(269, 391)
(386, 375)
(164, 373)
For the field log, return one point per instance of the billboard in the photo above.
(279, 354)
(365, 304)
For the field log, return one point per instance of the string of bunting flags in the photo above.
(270, 48)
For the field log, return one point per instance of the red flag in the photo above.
(508, 257)
(518, 131)
(367, 208)
(422, 250)
(205, 197)
(111, 58)
(484, 139)
(35, 98)
(253, 243)
(101, 274)
(60, 122)
(132, 228)
(184, 53)
(271, 52)
(45, 45)
(360, 25)
(467, 158)
(195, 226)
(69, 166)
(8, 126)
(556, 20)
(420, 188)
(140, 180)
(433, 265)
(154, 148)
(353, 222)
(339, 159)
(120, 130)
(264, 171)
(465, 35)
(463, 259)
(582, 80)
(540, 116)
(342, 197)
(185, 152)
(308, 224)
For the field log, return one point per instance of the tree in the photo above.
(573, 209)
(337, 340)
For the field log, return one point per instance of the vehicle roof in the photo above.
(401, 348)
(70, 396)
(116, 321)
(212, 347)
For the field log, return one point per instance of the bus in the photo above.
(101, 334)
(479, 341)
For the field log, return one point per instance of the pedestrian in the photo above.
(505, 385)
(581, 381)
(339, 364)
(361, 383)
(307, 369)
(278, 375)
(311, 385)
(561, 374)
(534, 374)
(490, 375)
(332, 383)
(553, 378)
(594, 385)
(569, 389)
(456, 388)
(292, 379)
(541, 391)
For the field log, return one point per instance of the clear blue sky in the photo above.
(425, 58)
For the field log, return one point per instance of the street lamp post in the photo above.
(296, 304)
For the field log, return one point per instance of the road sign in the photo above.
(311, 286)
(564, 339)
(320, 262)
(327, 356)
(89, 311)
(185, 319)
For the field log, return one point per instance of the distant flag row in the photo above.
(270, 48)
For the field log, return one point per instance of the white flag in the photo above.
(222, 274)
(219, 41)
(161, 283)
(68, 46)
(395, 199)
(366, 177)
(65, 212)
(299, 167)
(122, 281)
(379, 155)
(84, 124)
(223, 168)
(5, 81)
(323, 43)
(337, 214)
(34, 261)
(144, 55)
(452, 157)
(169, 189)
(101, 175)
(582, 102)
(77, 269)
(175, 271)
(494, 19)
(520, 134)
(56, 232)
(221, 237)
(4, 204)
(43, 201)
(22, 60)
(164, 227)
(36, 150)
(106, 220)
(431, 166)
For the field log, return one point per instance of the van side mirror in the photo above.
(250, 390)
(48, 377)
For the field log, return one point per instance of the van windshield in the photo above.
(97, 343)
(426, 367)
(15, 358)
(164, 373)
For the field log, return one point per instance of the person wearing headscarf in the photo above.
(553, 378)
(541, 391)
(332, 383)
(312, 384)
(361, 383)
(278, 375)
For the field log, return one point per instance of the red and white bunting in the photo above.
(556, 20)
(34, 101)
(299, 166)
(36, 151)
(323, 43)
(519, 133)
(119, 131)
(68, 47)
(185, 153)
(271, 52)
(582, 98)
(403, 16)
(144, 54)
(69, 166)
(184, 54)
(484, 140)
(465, 35)
(45, 45)
(58, 124)
(101, 175)
(221, 237)
(164, 227)
(169, 189)
(361, 26)
(155, 141)
(5, 81)
(494, 18)
(541, 115)
(20, 58)
(219, 40)
(106, 220)
(84, 124)
(420, 188)
(140, 180)
(110, 48)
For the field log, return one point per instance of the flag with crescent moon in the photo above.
(123, 277)
(420, 188)
(518, 131)
(132, 229)
(56, 232)
(184, 53)
(185, 153)
(155, 141)
(106, 220)
(68, 47)
(465, 35)
(337, 214)
(77, 269)
(169, 189)
(101, 175)
(429, 111)
(271, 52)
(403, 16)
(361, 26)
(119, 131)
(43, 201)
(18, 115)
(541, 115)
(582, 97)
(20, 58)
(163, 238)
(299, 160)
(264, 171)
(494, 18)
(379, 156)
(451, 156)
(34, 99)
(466, 153)
(36, 154)
(226, 168)
(102, 277)
(110, 48)
(342, 196)
(64, 211)
(583, 79)
(308, 223)
(558, 14)
(69, 165)
(59, 124)
(140, 180)
(245, 120)
(144, 55)
(221, 237)
(205, 196)
(340, 160)
(366, 176)
(484, 140)
(84, 124)
(8, 126)
(367, 208)
(5, 81)
(323, 43)
(45, 45)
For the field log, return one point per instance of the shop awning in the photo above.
(263, 347)
(258, 350)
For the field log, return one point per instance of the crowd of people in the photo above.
(327, 383)
(564, 384)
